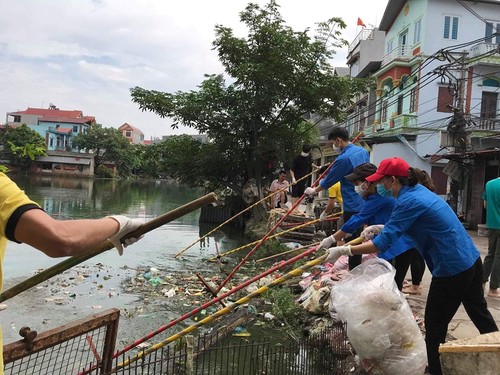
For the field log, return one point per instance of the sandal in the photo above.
(410, 290)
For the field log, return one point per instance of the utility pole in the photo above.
(456, 128)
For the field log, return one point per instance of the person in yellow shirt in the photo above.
(334, 201)
(23, 221)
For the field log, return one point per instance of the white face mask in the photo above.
(336, 148)
(359, 189)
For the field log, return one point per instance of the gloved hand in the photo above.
(335, 253)
(127, 225)
(326, 243)
(323, 216)
(294, 181)
(310, 191)
(371, 231)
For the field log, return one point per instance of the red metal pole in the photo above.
(215, 300)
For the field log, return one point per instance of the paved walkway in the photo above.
(460, 326)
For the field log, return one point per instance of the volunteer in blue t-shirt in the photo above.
(448, 250)
(349, 158)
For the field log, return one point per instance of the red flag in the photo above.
(361, 23)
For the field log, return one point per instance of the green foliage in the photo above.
(255, 124)
(104, 172)
(284, 307)
(108, 145)
(21, 145)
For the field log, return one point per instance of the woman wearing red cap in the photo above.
(449, 252)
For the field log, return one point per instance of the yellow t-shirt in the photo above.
(13, 202)
(334, 192)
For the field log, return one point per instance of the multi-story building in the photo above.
(56, 126)
(436, 97)
(134, 135)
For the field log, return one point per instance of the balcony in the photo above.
(364, 34)
(394, 125)
(485, 53)
(402, 53)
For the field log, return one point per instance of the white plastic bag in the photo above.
(380, 323)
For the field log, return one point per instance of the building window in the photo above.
(492, 31)
(128, 133)
(75, 129)
(390, 46)
(445, 99)
(400, 104)
(17, 118)
(384, 111)
(450, 27)
(416, 31)
(413, 100)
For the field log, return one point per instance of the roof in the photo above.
(125, 126)
(44, 112)
(392, 10)
(63, 160)
(342, 71)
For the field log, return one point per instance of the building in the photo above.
(134, 135)
(57, 127)
(436, 96)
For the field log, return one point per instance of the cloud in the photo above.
(87, 54)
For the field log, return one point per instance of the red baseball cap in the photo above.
(390, 167)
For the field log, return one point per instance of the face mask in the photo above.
(359, 189)
(336, 148)
(381, 190)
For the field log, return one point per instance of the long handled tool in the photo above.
(73, 261)
(293, 273)
(270, 237)
(238, 214)
(217, 299)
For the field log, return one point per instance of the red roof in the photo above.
(50, 112)
(125, 126)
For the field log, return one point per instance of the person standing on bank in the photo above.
(302, 165)
(450, 254)
(491, 266)
(23, 221)
(350, 156)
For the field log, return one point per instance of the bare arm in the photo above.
(58, 238)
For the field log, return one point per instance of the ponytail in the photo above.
(410, 180)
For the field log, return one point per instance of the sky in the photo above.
(87, 54)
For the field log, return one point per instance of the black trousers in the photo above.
(445, 296)
(354, 260)
(403, 261)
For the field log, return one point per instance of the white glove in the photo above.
(326, 243)
(371, 231)
(294, 181)
(127, 225)
(335, 253)
(310, 191)
(323, 216)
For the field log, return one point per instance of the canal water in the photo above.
(65, 198)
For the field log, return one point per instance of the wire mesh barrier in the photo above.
(87, 346)
(66, 349)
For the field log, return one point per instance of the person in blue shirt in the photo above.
(350, 156)
(376, 210)
(450, 254)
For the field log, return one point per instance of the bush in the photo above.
(105, 172)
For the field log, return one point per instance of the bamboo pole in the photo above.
(293, 273)
(238, 214)
(285, 252)
(270, 237)
(73, 261)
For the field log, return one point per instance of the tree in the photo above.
(108, 145)
(256, 122)
(21, 145)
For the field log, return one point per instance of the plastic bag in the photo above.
(380, 323)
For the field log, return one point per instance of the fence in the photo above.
(66, 349)
(86, 347)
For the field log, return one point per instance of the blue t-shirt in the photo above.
(378, 210)
(350, 157)
(433, 226)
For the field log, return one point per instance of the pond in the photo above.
(65, 198)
